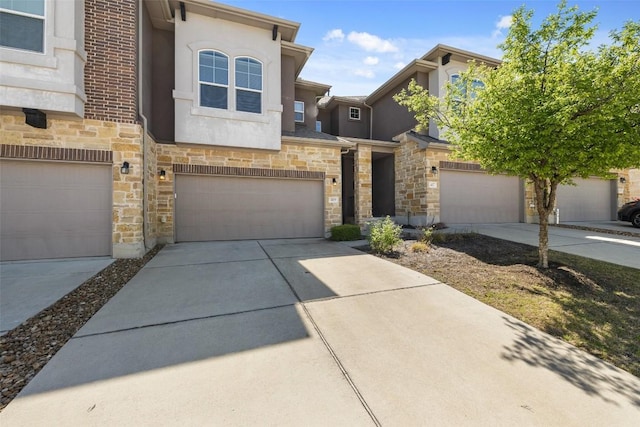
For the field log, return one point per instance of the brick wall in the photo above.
(111, 68)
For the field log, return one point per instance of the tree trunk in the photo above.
(545, 201)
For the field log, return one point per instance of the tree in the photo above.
(552, 111)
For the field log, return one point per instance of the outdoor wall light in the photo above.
(125, 168)
(163, 175)
(623, 180)
(434, 170)
(334, 181)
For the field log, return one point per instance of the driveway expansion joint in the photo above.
(208, 263)
(174, 322)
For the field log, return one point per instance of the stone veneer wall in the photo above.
(363, 192)
(151, 178)
(416, 202)
(123, 140)
(292, 156)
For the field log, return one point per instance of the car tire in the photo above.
(635, 219)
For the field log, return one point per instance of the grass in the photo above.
(591, 304)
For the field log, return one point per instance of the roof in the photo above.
(161, 12)
(318, 88)
(459, 55)
(327, 101)
(425, 141)
(413, 67)
(304, 132)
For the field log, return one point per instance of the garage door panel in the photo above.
(588, 200)
(232, 208)
(54, 210)
(471, 197)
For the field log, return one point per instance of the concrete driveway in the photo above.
(309, 332)
(28, 287)
(616, 249)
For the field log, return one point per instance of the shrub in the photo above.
(384, 235)
(345, 232)
(427, 236)
(420, 247)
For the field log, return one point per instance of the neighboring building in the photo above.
(128, 123)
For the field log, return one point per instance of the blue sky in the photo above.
(359, 44)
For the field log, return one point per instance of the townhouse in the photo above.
(130, 123)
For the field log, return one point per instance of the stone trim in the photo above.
(55, 153)
(252, 172)
(460, 166)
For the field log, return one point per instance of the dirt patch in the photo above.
(591, 304)
(26, 349)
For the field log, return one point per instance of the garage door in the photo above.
(472, 197)
(589, 200)
(235, 208)
(54, 210)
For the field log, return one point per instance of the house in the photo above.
(418, 181)
(130, 123)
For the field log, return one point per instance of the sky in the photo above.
(360, 44)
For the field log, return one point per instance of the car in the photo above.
(630, 212)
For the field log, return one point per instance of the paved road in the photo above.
(309, 332)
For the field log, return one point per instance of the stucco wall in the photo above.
(292, 156)
(212, 126)
(52, 81)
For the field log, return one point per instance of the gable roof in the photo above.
(459, 55)
(410, 69)
(161, 12)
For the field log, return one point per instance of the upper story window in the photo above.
(475, 85)
(354, 113)
(248, 85)
(298, 111)
(318, 126)
(213, 79)
(22, 24)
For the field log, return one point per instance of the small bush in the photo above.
(345, 232)
(427, 236)
(384, 236)
(420, 247)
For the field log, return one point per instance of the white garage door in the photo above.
(589, 200)
(476, 198)
(236, 208)
(54, 210)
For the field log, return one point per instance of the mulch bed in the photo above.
(26, 349)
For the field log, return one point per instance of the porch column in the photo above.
(362, 174)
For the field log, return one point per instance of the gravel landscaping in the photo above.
(26, 349)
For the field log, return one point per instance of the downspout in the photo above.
(370, 118)
(145, 207)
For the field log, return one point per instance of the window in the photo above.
(318, 126)
(354, 113)
(475, 85)
(22, 24)
(248, 85)
(298, 111)
(213, 78)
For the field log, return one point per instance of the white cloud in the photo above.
(503, 23)
(371, 43)
(335, 34)
(399, 65)
(364, 73)
(371, 60)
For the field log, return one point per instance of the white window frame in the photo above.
(353, 110)
(200, 81)
(318, 126)
(298, 110)
(248, 89)
(42, 18)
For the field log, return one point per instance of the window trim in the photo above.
(353, 110)
(42, 18)
(248, 89)
(200, 81)
(295, 111)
